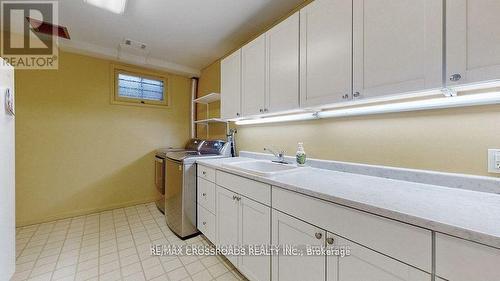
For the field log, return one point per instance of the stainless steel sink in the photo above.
(261, 168)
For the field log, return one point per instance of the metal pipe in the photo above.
(194, 90)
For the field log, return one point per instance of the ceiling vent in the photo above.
(136, 49)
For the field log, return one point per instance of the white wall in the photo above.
(7, 178)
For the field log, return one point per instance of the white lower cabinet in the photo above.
(289, 231)
(357, 264)
(254, 229)
(241, 222)
(461, 260)
(206, 223)
(366, 264)
(227, 220)
(376, 248)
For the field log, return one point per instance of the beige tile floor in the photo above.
(111, 245)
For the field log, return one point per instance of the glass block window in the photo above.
(135, 87)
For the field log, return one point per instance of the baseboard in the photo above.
(83, 212)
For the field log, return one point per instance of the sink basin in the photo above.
(261, 168)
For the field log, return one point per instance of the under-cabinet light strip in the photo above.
(277, 119)
(435, 103)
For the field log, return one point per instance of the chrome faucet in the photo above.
(279, 155)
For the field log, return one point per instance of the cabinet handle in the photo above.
(330, 240)
(318, 235)
(235, 197)
(455, 77)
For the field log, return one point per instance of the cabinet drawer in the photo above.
(206, 223)
(206, 173)
(206, 194)
(410, 244)
(255, 190)
(461, 260)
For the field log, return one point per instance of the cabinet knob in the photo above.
(204, 223)
(204, 194)
(238, 114)
(204, 172)
(455, 77)
(356, 95)
(234, 197)
(330, 240)
(266, 110)
(318, 235)
(261, 110)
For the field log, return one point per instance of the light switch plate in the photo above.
(494, 161)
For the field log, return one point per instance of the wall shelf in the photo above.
(206, 99)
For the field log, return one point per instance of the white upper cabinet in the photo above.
(253, 77)
(325, 52)
(282, 43)
(398, 46)
(472, 41)
(231, 86)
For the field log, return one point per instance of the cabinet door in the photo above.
(282, 43)
(462, 260)
(473, 38)
(293, 232)
(365, 264)
(227, 220)
(325, 52)
(332, 261)
(255, 229)
(231, 86)
(253, 77)
(397, 46)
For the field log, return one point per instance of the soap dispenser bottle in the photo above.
(301, 155)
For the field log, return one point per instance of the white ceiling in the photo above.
(182, 36)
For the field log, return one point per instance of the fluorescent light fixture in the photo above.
(429, 104)
(277, 119)
(389, 98)
(438, 103)
(115, 6)
(476, 86)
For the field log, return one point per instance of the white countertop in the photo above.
(470, 215)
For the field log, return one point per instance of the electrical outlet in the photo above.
(494, 161)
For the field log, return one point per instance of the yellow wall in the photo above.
(451, 140)
(75, 152)
(210, 83)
